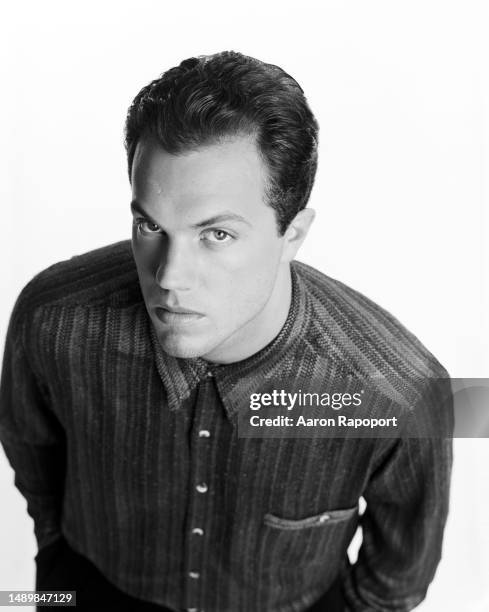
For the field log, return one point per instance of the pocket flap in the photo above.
(318, 520)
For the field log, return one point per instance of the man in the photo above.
(127, 369)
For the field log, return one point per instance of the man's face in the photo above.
(207, 250)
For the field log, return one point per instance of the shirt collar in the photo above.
(236, 381)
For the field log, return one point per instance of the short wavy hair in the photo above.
(210, 98)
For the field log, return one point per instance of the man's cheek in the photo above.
(147, 258)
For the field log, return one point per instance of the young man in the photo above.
(126, 370)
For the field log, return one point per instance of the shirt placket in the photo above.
(200, 494)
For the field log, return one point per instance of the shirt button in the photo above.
(194, 575)
(198, 531)
(203, 433)
(202, 488)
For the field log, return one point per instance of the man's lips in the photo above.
(178, 309)
(177, 315)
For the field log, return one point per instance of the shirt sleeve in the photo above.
(407, 505)
(31, 435)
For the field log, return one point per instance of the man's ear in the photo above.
(296, 232)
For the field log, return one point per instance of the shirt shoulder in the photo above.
(93, 281)
(78, 304)
(106, 276)
(368, 342)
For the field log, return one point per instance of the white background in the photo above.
(401, 92)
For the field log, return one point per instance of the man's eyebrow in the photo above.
(220, 218)
(225, 216)
(137, 208)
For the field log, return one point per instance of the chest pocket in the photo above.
(318, 520)
(312, 543)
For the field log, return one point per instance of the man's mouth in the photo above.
(177, 315)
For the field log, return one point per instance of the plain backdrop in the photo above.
(400, 90)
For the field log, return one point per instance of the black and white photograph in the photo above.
(244, 332)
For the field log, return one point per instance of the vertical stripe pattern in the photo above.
(135, 456)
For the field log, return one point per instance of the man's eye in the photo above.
(147, 227)
(217, 236)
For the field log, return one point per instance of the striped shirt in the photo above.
(136, 458)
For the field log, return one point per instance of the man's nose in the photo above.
(175, 270)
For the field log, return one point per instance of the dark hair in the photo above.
(209, 98)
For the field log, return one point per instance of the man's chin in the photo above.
(183, 348)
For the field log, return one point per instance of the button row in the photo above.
(201, 488)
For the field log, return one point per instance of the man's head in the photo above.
(222, 153)
(206, 99)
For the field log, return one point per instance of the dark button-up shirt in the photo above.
(135, 456)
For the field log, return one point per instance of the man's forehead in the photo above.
(222, 162)
(213, 180)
